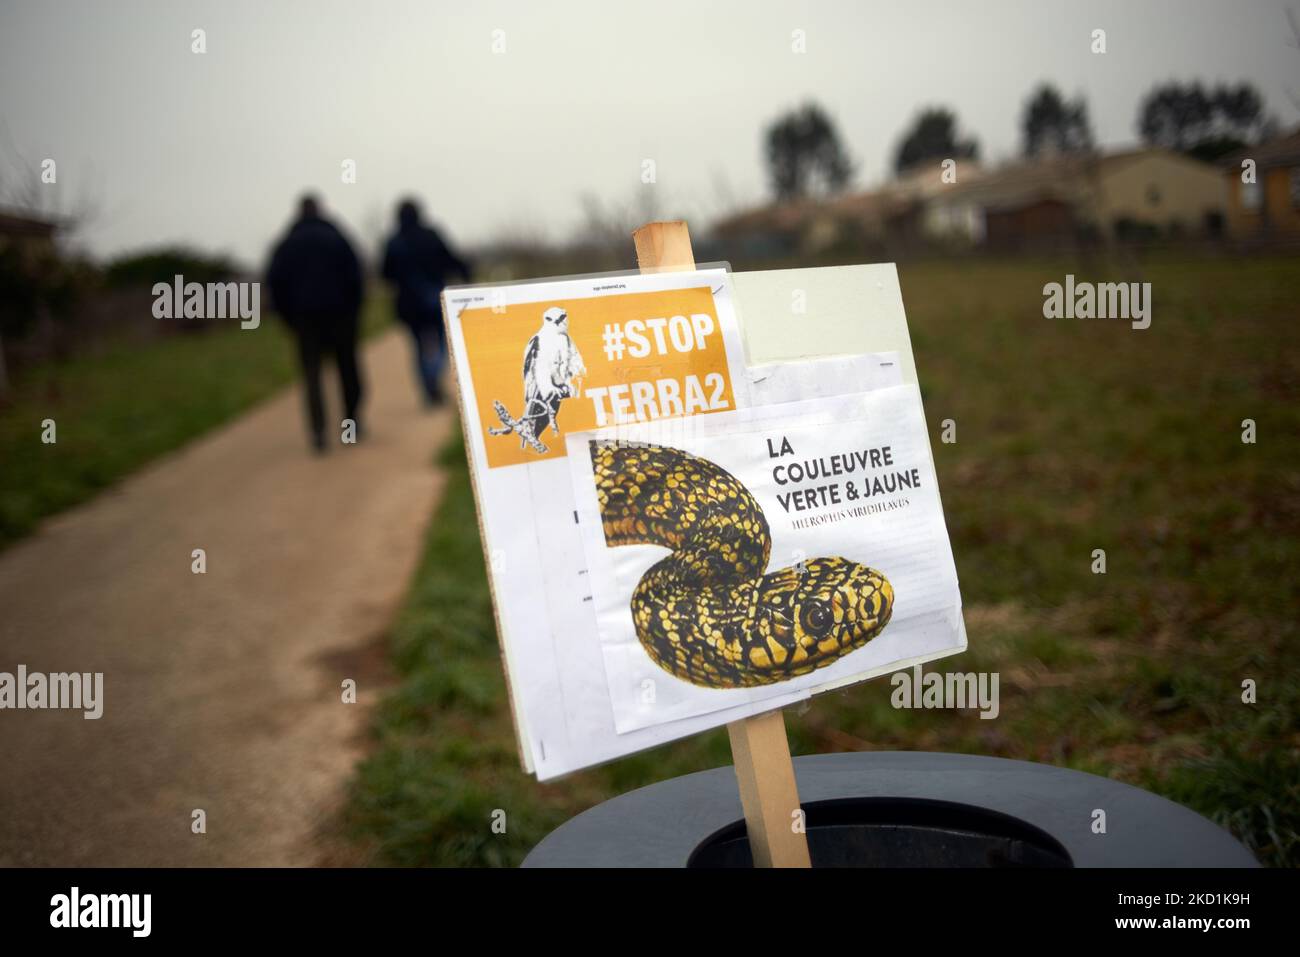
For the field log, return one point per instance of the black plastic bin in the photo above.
(902, 809)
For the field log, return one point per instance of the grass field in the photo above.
(119, 408)
(1071, 436)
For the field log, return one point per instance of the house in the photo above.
(1059, 199)
(1264, 196)
(1067, 197)
(1033, 199)
(779, 229)
(1158, 189)
(892, 212)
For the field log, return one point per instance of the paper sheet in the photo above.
(874, 504)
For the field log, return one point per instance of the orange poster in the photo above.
(544, 368)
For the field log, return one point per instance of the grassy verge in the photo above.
(1071, 436)
(118, 409)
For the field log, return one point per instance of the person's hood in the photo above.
(408, 217)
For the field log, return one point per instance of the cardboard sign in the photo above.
(542, 368)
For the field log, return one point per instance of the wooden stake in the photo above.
(768, 792)
(663, 247)
(759, 747)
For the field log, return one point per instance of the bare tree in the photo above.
(1294, 23)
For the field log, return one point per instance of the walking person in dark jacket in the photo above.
(316, 285)
(418, 263)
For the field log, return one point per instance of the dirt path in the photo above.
(221, 690)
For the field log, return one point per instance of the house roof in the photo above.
(1054, 178)
(793, 216)
(784, 217)
(1060, 178)
(1282, 151)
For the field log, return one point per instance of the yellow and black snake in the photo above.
(707, 613)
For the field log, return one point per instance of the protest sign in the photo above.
(839, 389)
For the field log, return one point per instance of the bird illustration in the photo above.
(553, 369)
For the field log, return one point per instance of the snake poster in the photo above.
(789, 546)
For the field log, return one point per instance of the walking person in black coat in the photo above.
(418, 263)
(316, 285)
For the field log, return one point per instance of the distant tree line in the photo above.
(143, 269)
(806, 156)
(1204, 123)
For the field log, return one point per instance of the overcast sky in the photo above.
(212, 149)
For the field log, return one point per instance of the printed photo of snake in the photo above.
(708, 613)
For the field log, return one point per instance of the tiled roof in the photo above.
(1283, 151)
